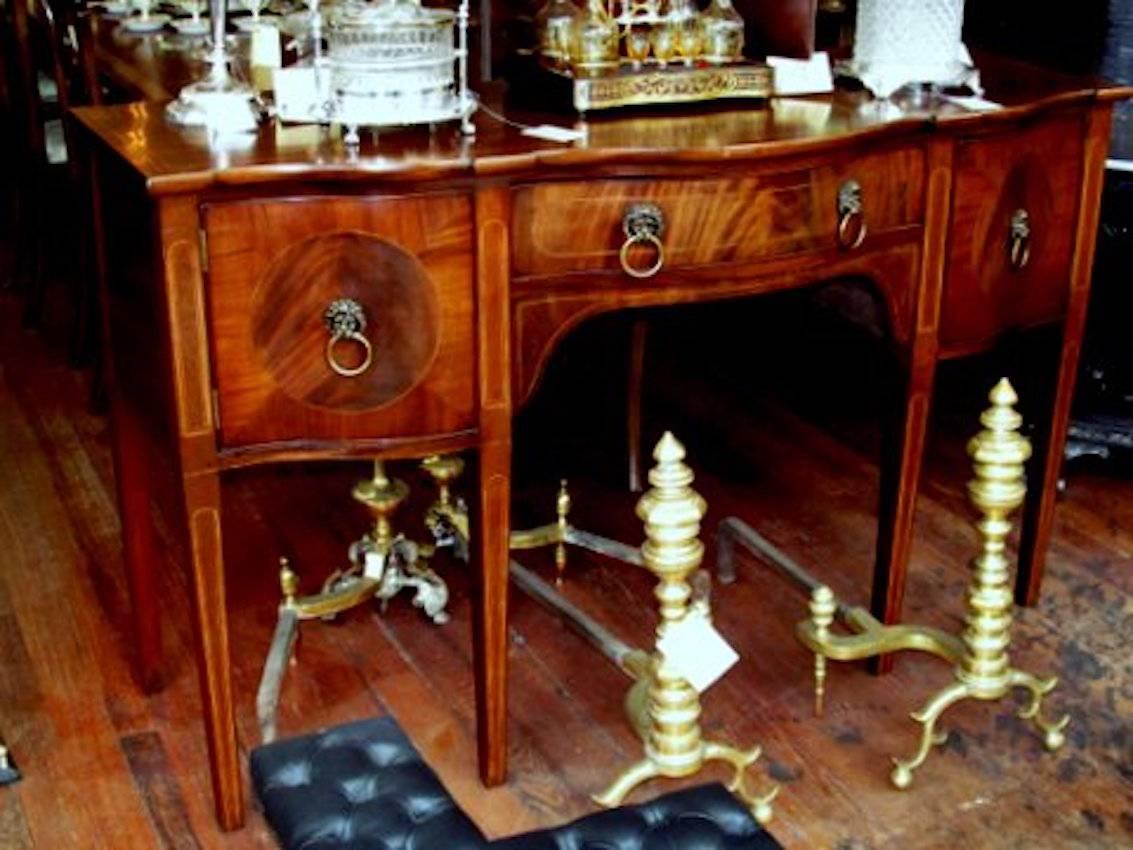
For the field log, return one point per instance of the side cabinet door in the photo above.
(1015, 205)
(341, 318)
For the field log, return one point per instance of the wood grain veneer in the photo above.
(275, 266)
(1035, 168)
(741, 217)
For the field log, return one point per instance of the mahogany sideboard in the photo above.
(473, 258)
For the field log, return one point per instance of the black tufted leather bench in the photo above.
(364, 786)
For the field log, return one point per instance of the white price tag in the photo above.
(297, 95)
(551, 133)
(266, 52)
(975, 104)
(373, 565)
(802, 76)
(697, 652)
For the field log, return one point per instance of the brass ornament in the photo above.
(345, 320)
(643, 223)
(1019, 239)
(852, 227)
(651, 86)
(980, 653)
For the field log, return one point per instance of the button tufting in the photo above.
(363, 786)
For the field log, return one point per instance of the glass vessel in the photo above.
(909, 41)
(596, 40)
(390, 62)
(723, 32)
(637, 45)
(556, 24)
(663, 43)
(687, 30)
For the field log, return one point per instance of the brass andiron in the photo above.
(560, 533)
(662, 707)
(674, 746)
(381, 565)
(982, 666)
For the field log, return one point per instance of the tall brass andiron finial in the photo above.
(985, 673)
(672, 551)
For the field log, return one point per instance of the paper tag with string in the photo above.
(697, 651)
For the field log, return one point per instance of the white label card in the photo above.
(551, 133)
(266, 51)
(802, 76)
(373, 565)
(975, 104)
(697, 652)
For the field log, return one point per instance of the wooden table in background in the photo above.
(218, 264)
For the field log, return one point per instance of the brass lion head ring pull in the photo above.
(643, 224)
(1019, 251)
(851, 215)
(346, 319)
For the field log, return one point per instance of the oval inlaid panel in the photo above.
(400, 303)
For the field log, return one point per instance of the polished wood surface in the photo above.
(106, 766)
(174, 160)
(752, 198)
(145, 67)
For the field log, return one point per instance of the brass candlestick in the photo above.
(982, 665)
(382, 496)
(674, 746)
(447, 518)
(382, 564)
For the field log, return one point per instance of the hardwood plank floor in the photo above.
(788, 445)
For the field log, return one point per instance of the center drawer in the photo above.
(741, 217)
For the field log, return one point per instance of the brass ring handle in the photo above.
(643, 223)
(1019, 250)
(852, 227)
(345, 318)
(347, 371)
(633, 271)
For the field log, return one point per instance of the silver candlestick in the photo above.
(218, 102)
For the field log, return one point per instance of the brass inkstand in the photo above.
(662, 706)
(983, 669)
(382, 564)
(615, 53)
